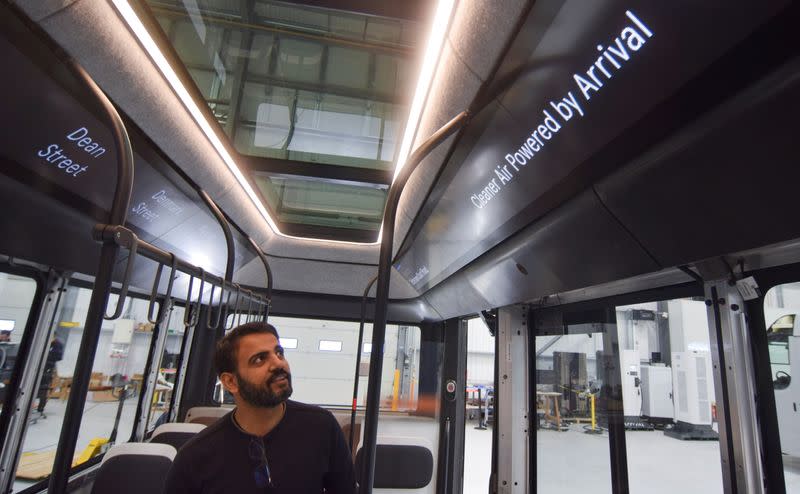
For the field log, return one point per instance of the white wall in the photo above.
(327, 377)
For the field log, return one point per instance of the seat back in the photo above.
(175, 434)
(400, 466)
(205, 415)
(132, 468)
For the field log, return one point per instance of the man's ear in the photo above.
(229, 381)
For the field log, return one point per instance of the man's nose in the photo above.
(276, 362)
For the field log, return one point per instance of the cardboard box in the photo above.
(102, 396)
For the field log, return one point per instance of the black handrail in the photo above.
(358, 359)
(382, 295)
(269, 274)
(119, 234)
(102, 287)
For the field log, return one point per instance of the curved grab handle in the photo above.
(154, 292)
(250, 307)
(125, 238)
(191, 314)
(225, 308)
(237, 315)
(211, 306)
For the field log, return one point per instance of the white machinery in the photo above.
(657, 403)
(631, 390)
(693, 392)
(694, 387)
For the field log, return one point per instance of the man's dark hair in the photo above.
(227, 347)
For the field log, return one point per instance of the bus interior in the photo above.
(514, 246)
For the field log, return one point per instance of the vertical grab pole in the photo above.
(367, 475)
(102, 286)
(358, 361)
(263, 258)
(226, 229)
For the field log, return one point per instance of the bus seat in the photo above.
(131, 468)
(400, 466)
(175, 434)
(205, 415)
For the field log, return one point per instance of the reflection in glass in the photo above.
(312, 201)
(297, 82)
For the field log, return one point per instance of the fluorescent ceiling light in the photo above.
(432, 51)
(434, 46)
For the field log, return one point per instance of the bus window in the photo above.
(323, 365)
(781, 305)
(322, 356)
(16, 299)
(115, 384)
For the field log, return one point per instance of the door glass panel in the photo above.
(572, 434)
(669, 398)
(652, 372)
(480, 408)
(781, 309)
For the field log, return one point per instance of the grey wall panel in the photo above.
(455, 297)
(726, 183)
(338, 307)
(578, 245)
(53, 223)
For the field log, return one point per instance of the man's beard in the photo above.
(262, 395)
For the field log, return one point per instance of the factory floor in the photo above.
(569, 461)
(572, 461)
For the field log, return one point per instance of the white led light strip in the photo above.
(434, 46)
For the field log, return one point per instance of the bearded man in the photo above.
(268, 443)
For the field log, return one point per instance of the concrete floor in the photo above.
(574, 462)
(568, 462)
(98, 421)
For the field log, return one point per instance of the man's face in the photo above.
(262, 378)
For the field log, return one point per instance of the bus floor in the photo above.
(98, 422)
(574, 462)
(568, 461)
